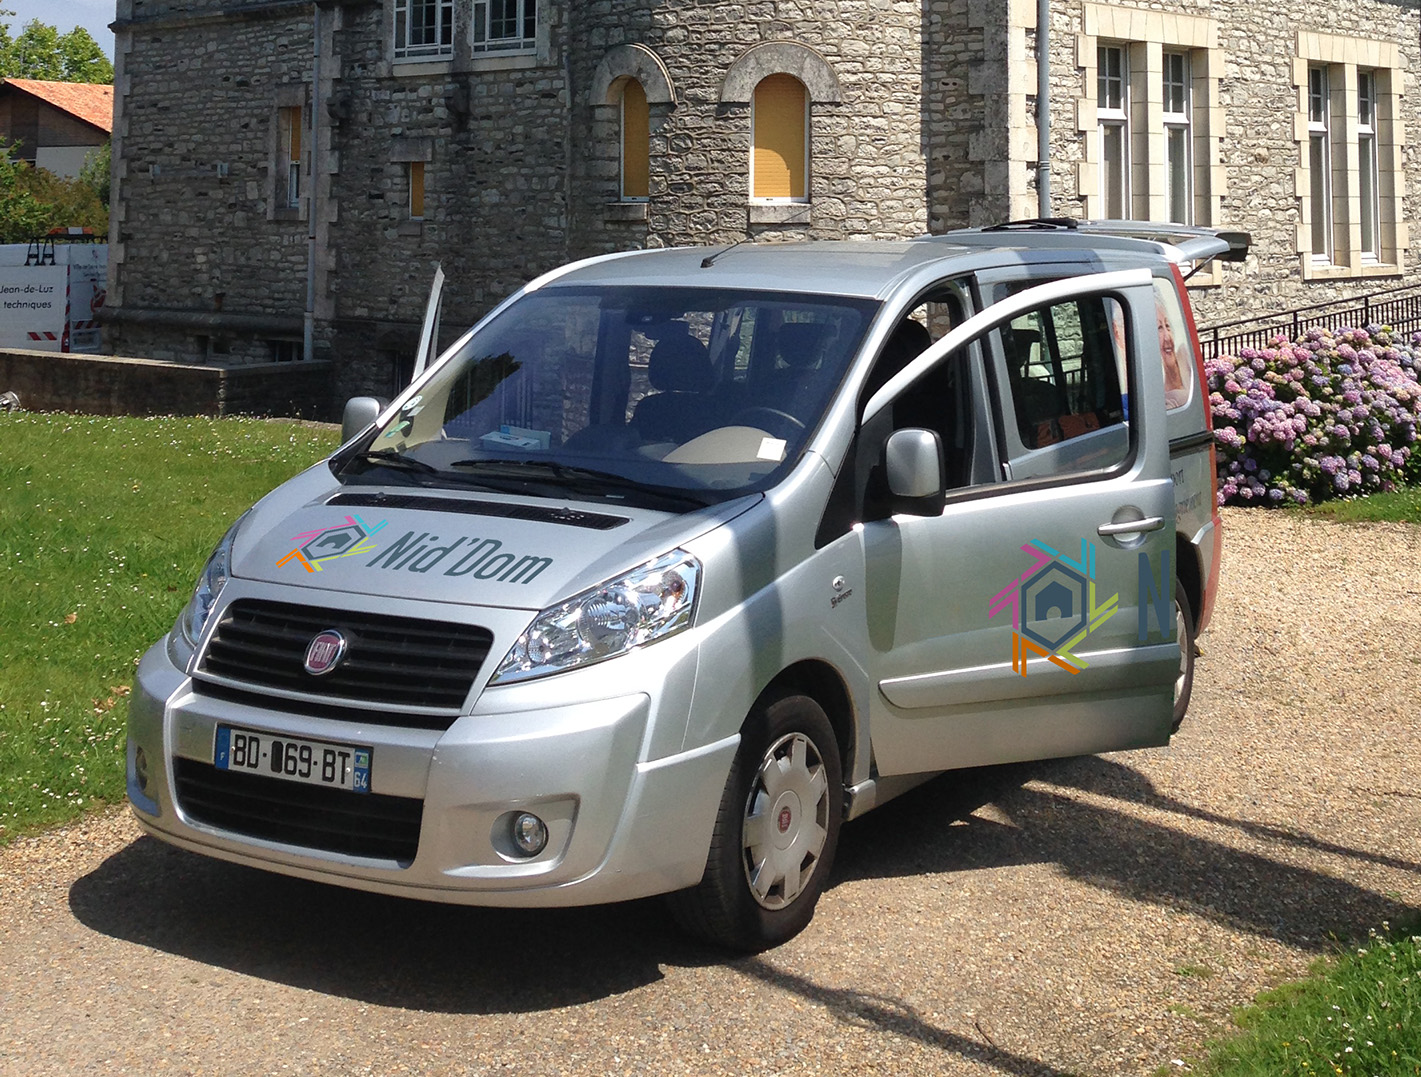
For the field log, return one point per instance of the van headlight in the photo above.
(209, 585)
(647, 604)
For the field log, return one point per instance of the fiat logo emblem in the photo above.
(786, 817)
(324, 652)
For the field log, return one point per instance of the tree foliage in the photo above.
(34, 200)
(40, 51)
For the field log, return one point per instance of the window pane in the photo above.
(1110, 61)
(1176, 83)
(1064, 376)
(1321, 201)
(636, 136)
(1367, 150)
(1177, 144)
(1317, 95)
(1112, 169)
(504, 24)
(780, 130)
(288, 193)
(503, 18)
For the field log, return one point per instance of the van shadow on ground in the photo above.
(441, 958)
(1145, 861)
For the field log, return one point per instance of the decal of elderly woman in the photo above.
(1178, 370)
(1173, 338)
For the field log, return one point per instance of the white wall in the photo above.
(63, 161)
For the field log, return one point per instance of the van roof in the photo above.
(874, 269)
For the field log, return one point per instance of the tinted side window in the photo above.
(1064, 404)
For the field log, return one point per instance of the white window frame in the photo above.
(1319, 106)
(1178, 95)
(1146, 39)
(525, 22)
(291, 147)
(442, 44)
(1113, 121)
(1351, 172)
(1368, 176)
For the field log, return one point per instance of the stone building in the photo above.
(289, 174)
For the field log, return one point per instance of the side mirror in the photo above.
(913, 466)
(360, 412)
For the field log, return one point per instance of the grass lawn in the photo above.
(104, 524)
(1400, 506)
(1358, 1015)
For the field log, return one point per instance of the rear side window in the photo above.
(1179, 367)
(1062, 383)
(1063, 371)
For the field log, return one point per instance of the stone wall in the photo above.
(1257, 183)
(194, 228)
(121, 385)
(921, 120)
(519, 160)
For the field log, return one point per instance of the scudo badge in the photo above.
(324, 652)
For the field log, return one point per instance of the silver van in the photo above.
(680, 559)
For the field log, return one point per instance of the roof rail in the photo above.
(1177, 242)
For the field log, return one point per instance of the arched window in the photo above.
(779, 140)
(636, 142)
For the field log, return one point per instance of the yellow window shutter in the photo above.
(293, 125)
(636, 141)
(778, 159)
(416, 189)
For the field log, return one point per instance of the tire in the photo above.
(1184, 681)
(775, 832)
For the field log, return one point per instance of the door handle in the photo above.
(1131, 527)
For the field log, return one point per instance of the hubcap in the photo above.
(786, 821)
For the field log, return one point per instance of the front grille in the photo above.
(329, 712)
(357, 824)
(400, 661)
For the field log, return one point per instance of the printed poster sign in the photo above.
(32, 306)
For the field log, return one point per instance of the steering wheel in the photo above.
(781, 423)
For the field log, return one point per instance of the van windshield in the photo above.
(645, 394)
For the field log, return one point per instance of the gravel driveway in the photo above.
(1088, 916)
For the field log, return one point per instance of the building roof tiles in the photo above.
(87, 101)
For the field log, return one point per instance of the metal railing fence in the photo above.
(1399, 308)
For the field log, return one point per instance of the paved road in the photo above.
(1094, 916)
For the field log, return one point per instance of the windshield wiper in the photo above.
(393, 458)
(582, 479)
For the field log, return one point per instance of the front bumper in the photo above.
(620, 825)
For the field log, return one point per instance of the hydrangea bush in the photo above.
(1334, 414)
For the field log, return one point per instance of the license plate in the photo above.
(293, 759)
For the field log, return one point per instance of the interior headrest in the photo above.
(680, 364)
(799, 343)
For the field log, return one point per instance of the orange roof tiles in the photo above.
(88, 101)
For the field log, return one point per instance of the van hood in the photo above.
(480, 548)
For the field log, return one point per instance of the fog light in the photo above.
(530, 834)
(140, 770)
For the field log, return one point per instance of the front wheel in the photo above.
(775, 832)
(1184, 630)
